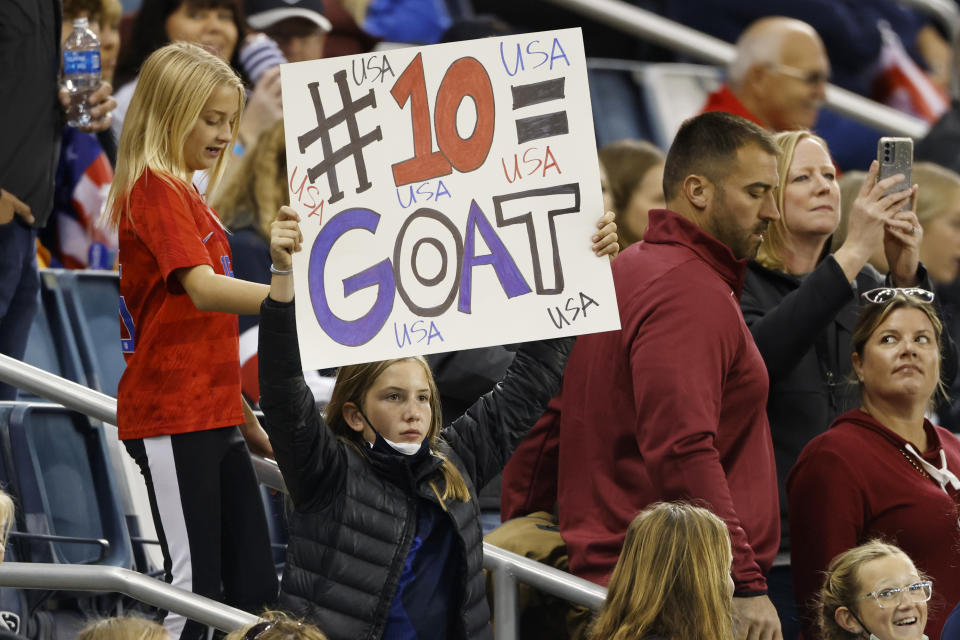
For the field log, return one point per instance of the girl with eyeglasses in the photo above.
(883, 471)
(873, 591)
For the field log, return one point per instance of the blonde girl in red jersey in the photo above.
(180, 413)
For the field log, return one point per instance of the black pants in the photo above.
(210, 520)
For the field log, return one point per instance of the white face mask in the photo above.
(406, 448)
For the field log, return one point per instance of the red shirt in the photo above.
(671, 407)
(723, 99)
(854, 483)
(183, 367)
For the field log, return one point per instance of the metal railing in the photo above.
(76, 577)
(98, 405)
(508, 568)
(651, 27)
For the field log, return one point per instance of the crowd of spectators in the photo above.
(785, 362)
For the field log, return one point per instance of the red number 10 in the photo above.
(465, 77)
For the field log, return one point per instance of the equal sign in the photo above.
(546, 125)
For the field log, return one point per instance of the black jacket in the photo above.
(803, 328)
(351, 528)
(30, 112)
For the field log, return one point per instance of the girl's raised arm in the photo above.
(285, 240)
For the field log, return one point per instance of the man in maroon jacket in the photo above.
(672, 406)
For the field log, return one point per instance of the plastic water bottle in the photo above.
(81, 71)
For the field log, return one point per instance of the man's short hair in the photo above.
(707, 145)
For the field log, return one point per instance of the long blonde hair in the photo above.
(771, 251)
(252, 194)
(672, 578)
(174, 85)
(353, 382)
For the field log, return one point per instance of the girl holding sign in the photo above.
(385, 537)
(179, 408)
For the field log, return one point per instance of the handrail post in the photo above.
(505, 619)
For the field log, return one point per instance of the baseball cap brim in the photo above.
(265, 19)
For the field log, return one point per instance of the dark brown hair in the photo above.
(873, 315)
(707, 145)
(150, 33)
(626, 163)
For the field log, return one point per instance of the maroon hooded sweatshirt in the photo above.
(671, 407)
(855, 483)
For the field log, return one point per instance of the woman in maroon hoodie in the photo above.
(883, 470)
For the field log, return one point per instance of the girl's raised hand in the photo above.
(285, 238)
(605, 240)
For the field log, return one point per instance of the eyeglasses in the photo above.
(916, 592)
(886, 294)
(258, 630)
(811, 78)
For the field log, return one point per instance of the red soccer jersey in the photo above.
(183, 367)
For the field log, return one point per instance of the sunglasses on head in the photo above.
(257, 630)
(882, 295)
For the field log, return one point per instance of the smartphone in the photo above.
(895, 155)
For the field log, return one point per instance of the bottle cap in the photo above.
(80, 23)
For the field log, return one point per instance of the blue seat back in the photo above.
(51, 345)
(59, 463)
(91, 300)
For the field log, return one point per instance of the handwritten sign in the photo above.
(447, 197)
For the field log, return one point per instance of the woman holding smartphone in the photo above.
(800, 301)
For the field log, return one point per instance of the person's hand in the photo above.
(868, 218)
(901, 245)
(101, 103)
(285, 238)
(10, 206)
(264, 107)
(872, 209)
(253, 433)
(605, 240)
(756, 618)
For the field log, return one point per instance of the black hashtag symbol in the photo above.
(353, 148)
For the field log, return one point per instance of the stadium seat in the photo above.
(673, 93)
(51, 345)
(55, 463)
(91, 300)
(617, 101)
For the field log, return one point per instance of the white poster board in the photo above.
(447, 197)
